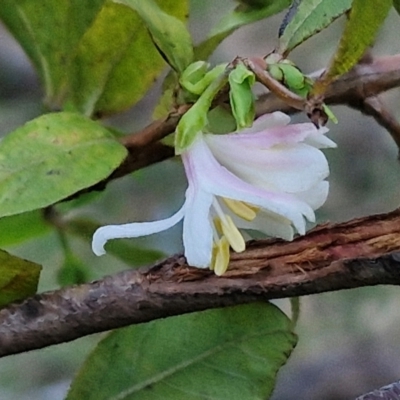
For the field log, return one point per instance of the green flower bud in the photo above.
(275, 71)
(241, 97)
(293, 77)
(195, 120)
(198, 87)
(194, 73)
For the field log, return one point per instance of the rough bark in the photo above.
(361, 252)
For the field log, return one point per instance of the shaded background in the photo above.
(348, 340)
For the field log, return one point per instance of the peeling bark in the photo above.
(361, 252)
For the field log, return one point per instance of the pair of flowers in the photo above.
(270, 177)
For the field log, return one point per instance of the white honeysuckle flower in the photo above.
(270, 177)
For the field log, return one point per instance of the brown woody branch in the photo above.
(358, 253)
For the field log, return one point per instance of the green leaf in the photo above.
(242, 15)
(48, 32)
(311, 17)
(93, 56)
(226, 354)
(19, 228)
(116, 61)
(396, 5)
(364, 21)
(168, 33)
(51, 158)
(127, 252)
(18, 278)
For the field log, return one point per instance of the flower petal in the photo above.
(316, 196)
(197, 228)
(218, 180)
(136, 229)
(269, 223)
(267, 121)
(269, 137)
(319, 140)
(288, 168)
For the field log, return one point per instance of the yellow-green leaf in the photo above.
(18, 278)
(168, 33)
(93, 56)
(116, 61)
(364, 21)
(51, 158)
(49, 31)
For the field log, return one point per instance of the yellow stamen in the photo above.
(241, 209)
(233, 235)
(222, 256)
(218, 225)
(214, 253)
(252, 206)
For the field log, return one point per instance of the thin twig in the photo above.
(365, 80)
(279, 90)
(157, 130)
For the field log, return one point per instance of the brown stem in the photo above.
(157, 130)
(279, 90)
(365, 80)
(358, 253)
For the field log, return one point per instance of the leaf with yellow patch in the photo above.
(18, 278)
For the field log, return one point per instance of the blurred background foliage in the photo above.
(349, 342)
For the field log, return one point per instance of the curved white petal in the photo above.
(319, 140)
(267, 121)
(289, 134)
(316, 196)
(288, 168)
(197, 229)
(269, 223)
(218, 180)
(136, 229)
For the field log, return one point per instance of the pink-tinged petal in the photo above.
(136, 229)
(288, 168)
(216, 179)
(264, 139)
(268, 121)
